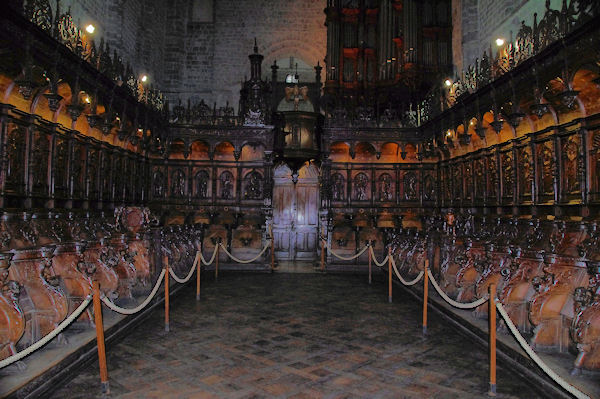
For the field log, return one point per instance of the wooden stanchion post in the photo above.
(217, 261)
(370, 259)
(390, 274)
(166, 261)
(492, 319)
(272, 251)
(322, 255)
(100, 338)
(425, 295)
(198, 269)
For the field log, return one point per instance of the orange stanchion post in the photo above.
(390, 274)
(100, 338)
(492, 319)
(322, 255)
(198, 267)
(425, 295)
(370, 256)
(217, 261)
(166, 261)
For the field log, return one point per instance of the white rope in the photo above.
(47, 338)
(403, 281)
(187, 278)
(558, 379)
(375, 259)
(452, 302)
(142, 305)
(212, 259)
(362, 251)
(246, 261)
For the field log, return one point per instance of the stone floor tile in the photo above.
(294, 336)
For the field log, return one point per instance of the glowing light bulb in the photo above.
(90, 28)
(87, 99)
(499, 42)
(144, 78)
(448, 82)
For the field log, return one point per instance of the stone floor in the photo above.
(295, 336)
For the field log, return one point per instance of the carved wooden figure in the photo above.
(518, 290)
(553, 291)
(119, 255)
(12, 318)
(105, 273)
(76, 275)
(585, 329)
(46, 304)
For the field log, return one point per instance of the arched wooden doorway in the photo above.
(296, 212)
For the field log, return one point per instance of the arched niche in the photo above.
(364, 152)
(390, 152)
(199, 151)
(589, 91)
(224, 152)
(177, 149)
(252, 152)
(339, 152)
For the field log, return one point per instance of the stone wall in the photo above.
(207, 58)
(134, 28)
(482, 21)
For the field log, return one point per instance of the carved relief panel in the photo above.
(77, 169)
(92, 174)
(457, 182)
(572, 166)
(468, 180)
(201, 184)
(226, 187)
(385, 187)
(39, 162)
(361, 187)
(410, 186)
(595, 167)
(60, 166)
(15, 158)
(338, 187)
(106, 175)
(508, 179)
(253, 186)
(178, 184)
(158, 184)
(546, 168)
(479, 178)
(492, 179)
(446, 184)
(429, 190)
(525, 173)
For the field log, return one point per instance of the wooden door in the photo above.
(295, 213)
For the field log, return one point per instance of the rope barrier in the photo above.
(141, 306)
(187, 278)
(212, 259)
(375, 258)
(246, 261)
(48, 337)
(412, 282)
(362, 251)
(451, 301)
(568, 387)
